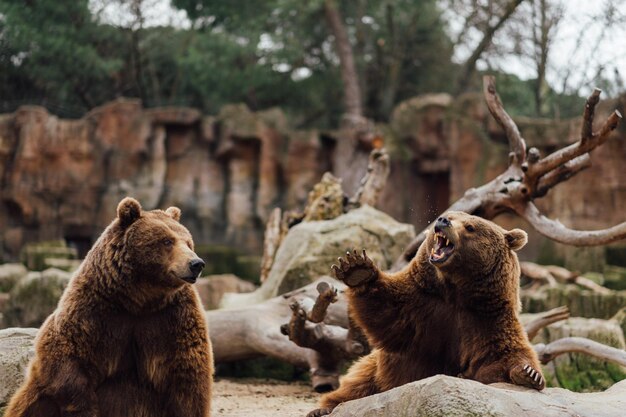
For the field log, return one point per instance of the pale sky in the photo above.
(610, 53)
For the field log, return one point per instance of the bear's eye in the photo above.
(469, 228)
(168, 242)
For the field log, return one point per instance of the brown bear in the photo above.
(453, 310)
(129, 337)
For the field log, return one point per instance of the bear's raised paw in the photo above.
(528, 376)
(355, 269)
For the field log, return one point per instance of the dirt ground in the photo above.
(262, 398)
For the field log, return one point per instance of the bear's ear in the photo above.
(128, 211)
(174, 213)
(516, 239)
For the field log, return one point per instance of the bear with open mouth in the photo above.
(453, 310)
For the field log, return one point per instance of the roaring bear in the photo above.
(453, 310)
(129, 337)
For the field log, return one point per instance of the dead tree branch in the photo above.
(550, 351)
(551, 274)
(529, 176)
(327, 296)
(590, 106)
(470, 64)
(537, 273)
(545, 319)
(517, 145)
(556, 231)
(374, 180)
(333, 343)
(257, 330)
(271, 241)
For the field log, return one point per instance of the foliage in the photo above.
(400, 46)
(59, 53)
(70, 61)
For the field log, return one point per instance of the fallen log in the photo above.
(249, 332)
(310, 328)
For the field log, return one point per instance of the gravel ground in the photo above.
(262, 398)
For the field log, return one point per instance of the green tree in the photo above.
(399, 46)
(58, 49)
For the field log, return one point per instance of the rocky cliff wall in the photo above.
(64, 178)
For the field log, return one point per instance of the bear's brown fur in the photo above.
(129, 337)
(453, 310)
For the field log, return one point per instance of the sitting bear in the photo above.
(129, 337)
(453, 310)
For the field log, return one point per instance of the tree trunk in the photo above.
(351, 91)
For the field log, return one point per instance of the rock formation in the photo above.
(310, 248)
(447, 396)
(62, 178)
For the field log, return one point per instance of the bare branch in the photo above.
(550, 351)
(517, 145)
(320, 337)
(574, 150)
(374, 181)
(590, 105)
(553, 274)
(555, 230)
(609, 125)
(470, 65)
(271, 242)
(561, 174)
(545, 319)
(589, 284)
(537, 272)
(561, 274)
(328, 295)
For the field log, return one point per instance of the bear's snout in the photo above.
(442, 222)
(196, 266)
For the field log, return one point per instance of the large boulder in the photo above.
(34, 297)
(310, 248)
(444, 396)
(10, 274)
(16, 350)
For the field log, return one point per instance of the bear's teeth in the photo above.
(447, 242)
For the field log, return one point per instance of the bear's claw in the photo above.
(529, 377)
(319, 412)
(355, 269)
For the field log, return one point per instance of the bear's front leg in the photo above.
(190, 372)
(55, 389)
(359, 382)
(379, 302)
